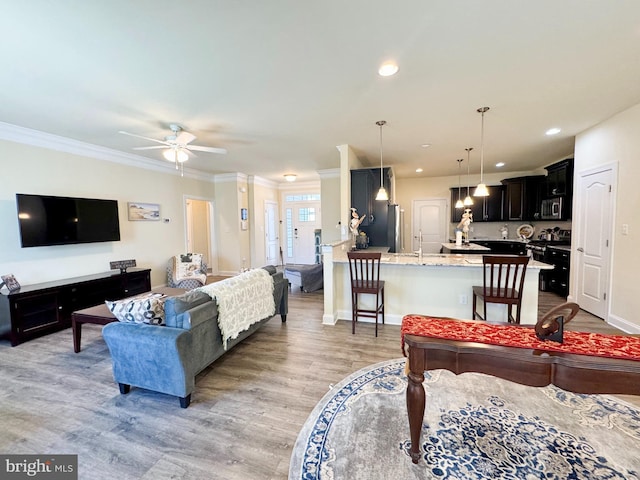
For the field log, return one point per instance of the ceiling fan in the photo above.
(176, 146)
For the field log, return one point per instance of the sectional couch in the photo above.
(166, 358)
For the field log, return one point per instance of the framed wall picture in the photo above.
(11, 282)
(143, 211)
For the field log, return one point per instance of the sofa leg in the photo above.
(124, 388)
(185, 401)
(284, 318)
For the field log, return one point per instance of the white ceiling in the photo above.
(281, 83)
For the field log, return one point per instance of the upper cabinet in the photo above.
(365, 183)
(523, 196)
(559, 179)
(363, 193)
(484, 209)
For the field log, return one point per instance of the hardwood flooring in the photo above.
(245, 413)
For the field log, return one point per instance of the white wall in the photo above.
(616, 140)
(30, 169)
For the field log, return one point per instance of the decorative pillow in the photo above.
(145, 308)
(186, 266)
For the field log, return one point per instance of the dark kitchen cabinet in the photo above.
(362, 193)
(559, 180)
(558, 278)
(365, 184)
(484, 209)
(503, 247)
(523, 197)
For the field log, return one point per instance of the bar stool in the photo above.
(364, 269)
(503, 281)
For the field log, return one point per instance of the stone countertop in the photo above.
(435, 260)
(453, 247)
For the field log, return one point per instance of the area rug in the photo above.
(475, 427)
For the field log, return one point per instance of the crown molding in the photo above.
(262, 182)
(299, 186)
(36, 138)
(230, 177)
(329, 173)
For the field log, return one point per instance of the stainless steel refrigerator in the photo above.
(394, 228)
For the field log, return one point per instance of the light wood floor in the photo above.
(245, 414)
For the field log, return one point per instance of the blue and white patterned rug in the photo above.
(475, 427)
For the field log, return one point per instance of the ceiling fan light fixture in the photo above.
(175, 155)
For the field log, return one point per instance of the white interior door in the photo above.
(429, 219)
(271, 232)
(301, 219)
(595, 207)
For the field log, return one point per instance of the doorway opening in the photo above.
(199, 230)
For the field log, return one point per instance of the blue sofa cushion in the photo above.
(176, 308)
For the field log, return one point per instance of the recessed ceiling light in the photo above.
(425, 145)
(418, 170)
(387, 69)
(553, 131)
(500, 164)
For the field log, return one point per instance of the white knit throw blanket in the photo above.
(242, 301)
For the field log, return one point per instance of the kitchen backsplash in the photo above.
(491, 230)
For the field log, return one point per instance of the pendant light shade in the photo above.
(468, 201)
(459, 203)
(481, 189)
(382, 193)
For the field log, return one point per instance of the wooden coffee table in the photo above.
(100, 315)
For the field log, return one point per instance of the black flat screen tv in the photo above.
(47, 220)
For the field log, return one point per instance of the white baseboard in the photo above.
(389, 319)
(624, 325)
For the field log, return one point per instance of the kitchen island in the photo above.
(435, 284)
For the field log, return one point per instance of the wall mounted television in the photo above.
(46, 220)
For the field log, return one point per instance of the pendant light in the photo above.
(481, 189)
(468, 201)
(382, 193)
(459, 203)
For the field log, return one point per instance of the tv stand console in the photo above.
(43, 308)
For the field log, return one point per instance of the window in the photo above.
(307, 197)
(307, 215)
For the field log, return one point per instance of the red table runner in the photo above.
(579, 343)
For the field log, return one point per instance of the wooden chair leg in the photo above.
(383, 306)
(473, 315)
(354, 314)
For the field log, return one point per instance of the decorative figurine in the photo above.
(465, 222)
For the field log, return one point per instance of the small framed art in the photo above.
(11, 282)
(143, 211)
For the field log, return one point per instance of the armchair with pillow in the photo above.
(186, 270)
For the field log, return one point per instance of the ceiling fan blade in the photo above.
(206, 149)
(184, 138)
(145, 138)
(150, 148)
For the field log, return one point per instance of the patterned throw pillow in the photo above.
(145, 308)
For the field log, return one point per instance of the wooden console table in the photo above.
(100, 315)
(534, 367)
(43, 308)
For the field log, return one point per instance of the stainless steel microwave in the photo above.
(551, 209)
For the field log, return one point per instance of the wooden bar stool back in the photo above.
(503, 281)
(364, 269)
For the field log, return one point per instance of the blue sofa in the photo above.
(167, 358)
